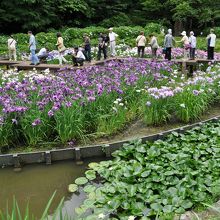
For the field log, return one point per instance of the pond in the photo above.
(36, 184)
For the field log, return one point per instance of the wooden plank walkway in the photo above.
(25, 65)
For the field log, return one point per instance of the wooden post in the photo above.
(48, 158)
(184, 67)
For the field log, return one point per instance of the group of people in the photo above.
(32, 47)
(84, 54)
(81, 55)
(141, 43)
(189, 45)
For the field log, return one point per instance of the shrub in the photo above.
(152, 28)
(217, 31)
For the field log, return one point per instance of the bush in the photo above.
(217, 31)
(153, 28)
(74, 36)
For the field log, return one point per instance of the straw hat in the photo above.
(183, 33)
(110, 29)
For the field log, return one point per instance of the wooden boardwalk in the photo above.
(25, 65)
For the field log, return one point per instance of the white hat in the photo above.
(183, 33)
(110, 29)
(169, 31)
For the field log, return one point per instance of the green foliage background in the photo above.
(74, 36)
(39, 15)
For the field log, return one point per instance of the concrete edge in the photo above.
(79, 153)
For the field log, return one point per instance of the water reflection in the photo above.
(36, 183)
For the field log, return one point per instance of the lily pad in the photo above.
(93, 165)
(90, 174)
(89, 188)
(81, 181)
(72, 188)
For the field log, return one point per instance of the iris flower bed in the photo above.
(177, 52)
(125, 51)
(75, 104)
(154, 180)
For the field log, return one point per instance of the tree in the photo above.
(39, 15)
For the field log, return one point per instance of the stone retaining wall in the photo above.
(79, 153)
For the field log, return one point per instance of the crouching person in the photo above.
(43, 54)
(78, 57)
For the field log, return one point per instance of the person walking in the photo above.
(168, 44)
(141, 41)
(12, 48)
(32, 47)
(154, 46)
(87, 47)
(112, 40)
(192, 49)
(211, 38)
(61, 48)
(103, 40)
(186, 45)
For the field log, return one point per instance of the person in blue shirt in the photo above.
(32, 47)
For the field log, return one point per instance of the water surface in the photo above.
(36, 183)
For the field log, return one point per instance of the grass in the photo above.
(15, 213)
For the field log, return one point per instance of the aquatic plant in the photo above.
(155, 179)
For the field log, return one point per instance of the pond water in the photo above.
(36, 184)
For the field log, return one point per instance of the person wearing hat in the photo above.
(211, 44)
(12, 48)
(78, 57)
(112, 40)
(168, 44)
(186, 45)
(87, 47)
(192, 49)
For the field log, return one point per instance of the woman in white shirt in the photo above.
(12, 48)
(61, 48)
(211, 44)
(78, 57)
(141, 41)
(112, 40)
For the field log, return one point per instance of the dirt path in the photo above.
(138, 129)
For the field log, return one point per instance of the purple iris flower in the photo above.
(36, 122)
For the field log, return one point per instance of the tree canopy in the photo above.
(39, 15)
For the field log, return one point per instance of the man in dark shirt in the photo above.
(87, 47)
(103, 40)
